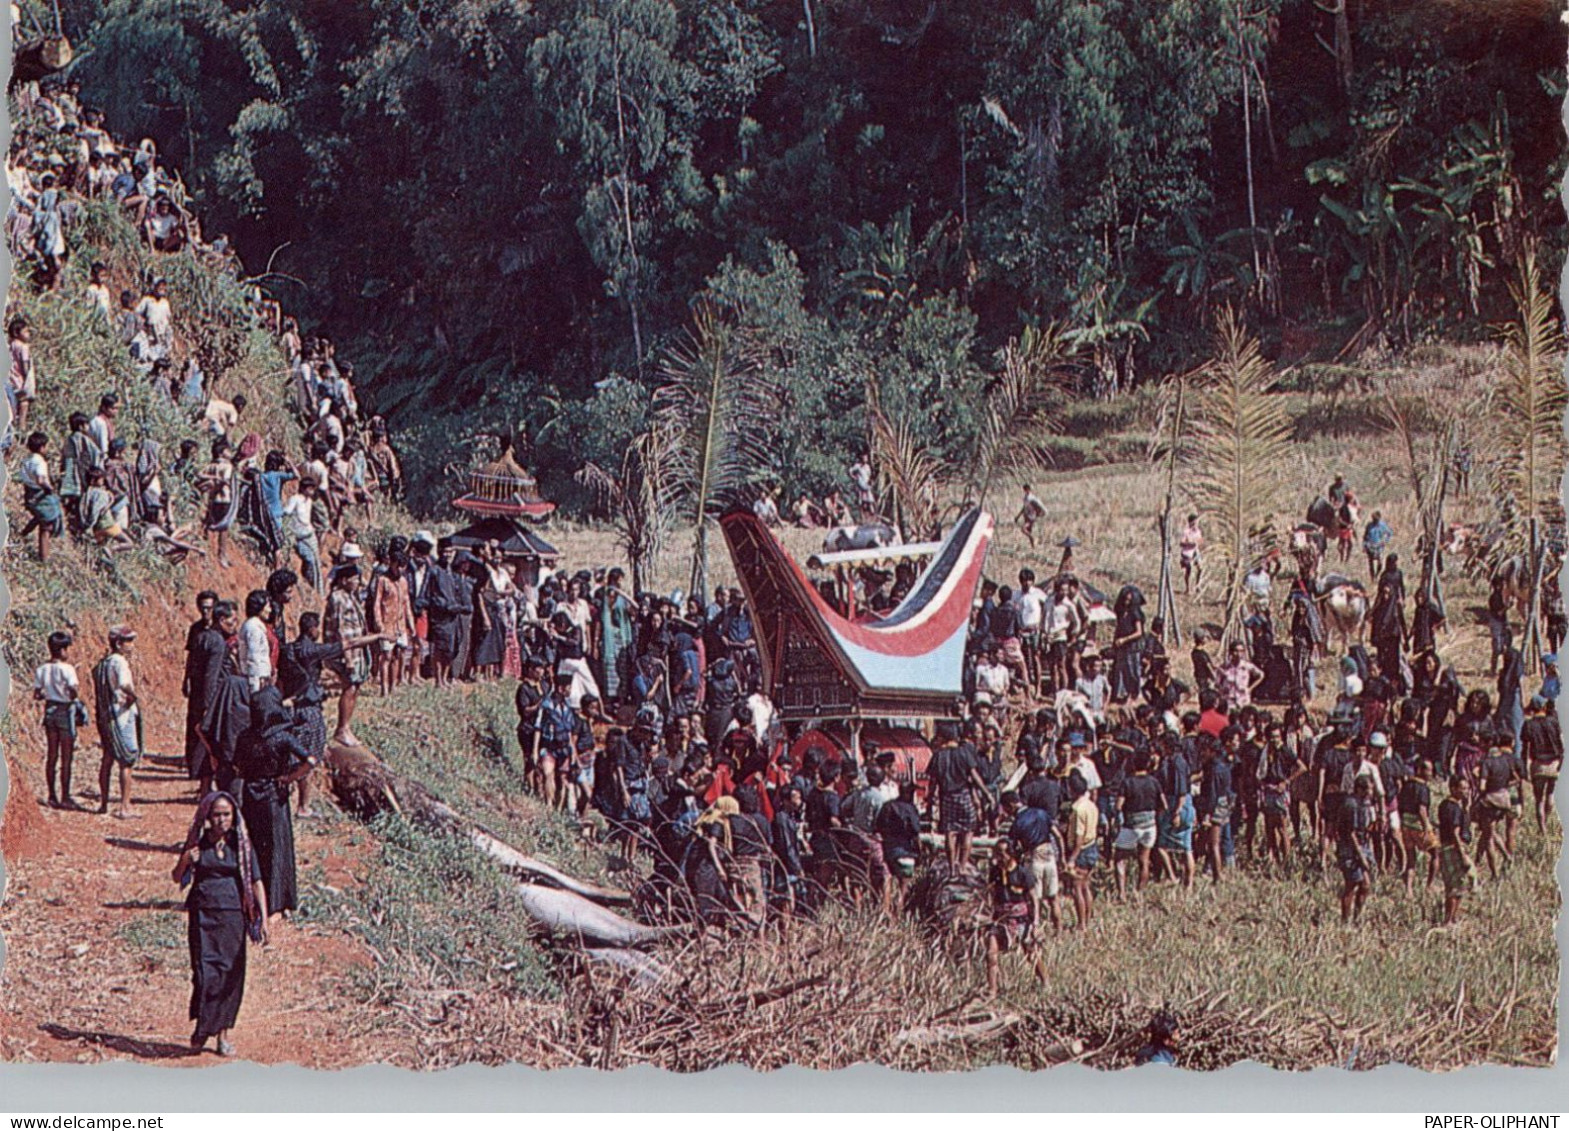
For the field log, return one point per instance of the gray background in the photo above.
(139, 1088)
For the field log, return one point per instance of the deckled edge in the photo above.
(6, 268)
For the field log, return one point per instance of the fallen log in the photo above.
(646, 971)
(366, 786)
(512, 860)
(981, 1029)
(567, 914)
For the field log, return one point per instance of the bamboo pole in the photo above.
(1166, 595)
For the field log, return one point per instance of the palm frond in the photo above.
(713, 406)
(1528, 406)
(1239, 439)
(909, 471)
(639, 497)
(1022, 408)
(1424, 462)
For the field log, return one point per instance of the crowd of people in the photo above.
(1081, 766)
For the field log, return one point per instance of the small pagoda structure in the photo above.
(505, 502)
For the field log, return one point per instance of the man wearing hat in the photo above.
(119, 718)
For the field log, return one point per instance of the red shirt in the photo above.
(1212, 722)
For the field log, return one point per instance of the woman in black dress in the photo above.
(271, 758)
(226, 903)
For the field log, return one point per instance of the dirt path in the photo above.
(115, 984)
(96, 965)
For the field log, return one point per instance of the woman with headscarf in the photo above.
(227, 902)
(1127, 663)
(270, 758)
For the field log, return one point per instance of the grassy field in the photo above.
(1259, 968)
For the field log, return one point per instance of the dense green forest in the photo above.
(507, 209)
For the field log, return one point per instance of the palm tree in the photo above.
(1528, 412)
(640, 498)
(1021, 408)
(713, 406)
(913, 475)
(1239, 435)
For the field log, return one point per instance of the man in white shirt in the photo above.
(992, 677)
(255, 649)
(56, 686)
(119, 719)
(861, 476)
(1031, 511)
(43, 505)
(101, 426)
(219, 417)
(1256, 584)
(297, 525)
(1363, 765)
(1062, 626)
(157, 315)
(1030, 601)
(1095, 688)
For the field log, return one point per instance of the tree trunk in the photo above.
(1536, 560)
(626, 207)
(1166, 597)
(1245, 56)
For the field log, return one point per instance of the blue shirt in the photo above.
(557, 722)
(1377, 536)
(739, 630)
(272, 489)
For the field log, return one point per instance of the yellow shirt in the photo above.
(1085, 823)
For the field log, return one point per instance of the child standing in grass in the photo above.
(56, 686)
